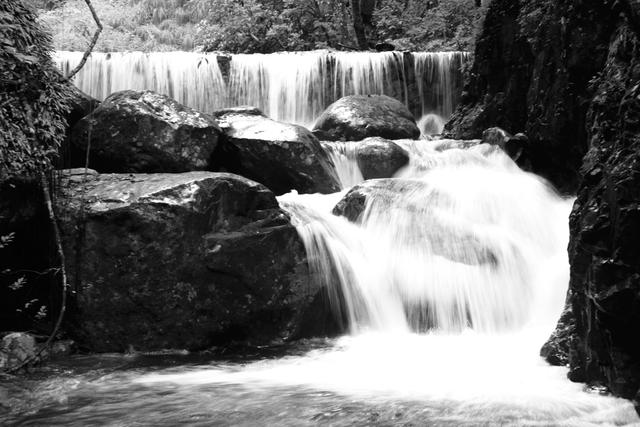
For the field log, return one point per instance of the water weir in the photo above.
(293, 87)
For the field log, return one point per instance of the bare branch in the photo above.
(94, 40)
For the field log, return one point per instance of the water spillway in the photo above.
(293, 87)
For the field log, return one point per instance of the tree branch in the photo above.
(94, 40)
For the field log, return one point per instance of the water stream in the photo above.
(450, 282)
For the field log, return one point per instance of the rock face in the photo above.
(602, 319)
(146, 132)
(281, 156)
(534, 61)
(179, 261)
(376, 157)
(357, 117)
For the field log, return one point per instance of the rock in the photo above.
(604, 249)
(81, 106)
(376, 157)
(495, 136)
(16, 348)
(281, 156)
(357, 117)
(179, 261)
(556, 349)
(144, 131)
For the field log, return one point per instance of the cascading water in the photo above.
(293, 87)
(451, 280)
(458, 240)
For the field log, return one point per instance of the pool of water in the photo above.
(414, 380)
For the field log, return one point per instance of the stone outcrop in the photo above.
(598, 335)
(356, 117)
(534, 62)
(281, 156)
(179, 261)
(144, 132)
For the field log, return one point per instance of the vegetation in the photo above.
(34, 99)
(265, 25)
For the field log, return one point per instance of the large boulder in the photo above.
(281, 156)
(598, 335)
(357, 117)
(376, 157)
(146, 132)
(179, 261)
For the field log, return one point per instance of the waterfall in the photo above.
(460, 239)
(293, 87)
(192, 79)
(450, 282)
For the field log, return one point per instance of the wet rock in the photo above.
(556, 349)
(357, 117)
(281, 156)
(532, 71)
(179, 261)
(376, 157)
(604, 249)
(144, 132)
(16, 348)
(495, 136)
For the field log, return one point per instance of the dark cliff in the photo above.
(533, 65)
(567, 73)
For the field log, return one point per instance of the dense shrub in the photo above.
(34, 99)
(250, 26)
(429, 25)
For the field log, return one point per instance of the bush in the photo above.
(34, 98)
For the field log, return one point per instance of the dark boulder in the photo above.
(376, 157)
(357, 117)
(516, 146)
(144, 131)
(603, 301)
(81, 106)
(179, 261)
(281, 156)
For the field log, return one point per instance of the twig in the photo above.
(94, 40)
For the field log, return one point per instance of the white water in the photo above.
(451, 284)
(293, 87)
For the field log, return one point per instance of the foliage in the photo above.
(34, 99)
(429, 25)
(257, 26)
(128, 25)
(252, 26)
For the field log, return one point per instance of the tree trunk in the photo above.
(358, 25)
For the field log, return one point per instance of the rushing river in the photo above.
(450, 284)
